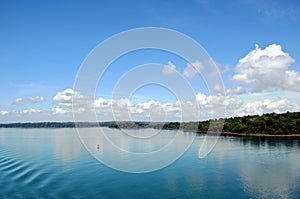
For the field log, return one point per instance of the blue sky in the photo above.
(43, 44)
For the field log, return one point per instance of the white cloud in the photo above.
(218, 88)
(218, 100)
(193, 69)
(58, 110)
(234, 91)
(124, 109)
(267, 69)
(116, 103)
(64, 98)
(169, 69)
(292, 80)
(148, 105)
(69, 97)
(29, 111)
(201, 98)
(202, 108)
(2, 113)
(267, 106)
(101, 103)
(28, 100)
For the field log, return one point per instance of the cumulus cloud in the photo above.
(29, 111)
(193, 69)
(64, 98)
(124, 109)
(218, 100)
(267, 69)
(117, 103)
(102, 103)
(69, 102)
(58, 110)
(151, 110)
(267, 106)
(29, 100)
(2, 113)
(169, 69)
(203, 107)
(235, 91)
(69, 97)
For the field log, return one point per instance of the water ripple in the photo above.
(3, 160)
(24, 175)
(9, 164)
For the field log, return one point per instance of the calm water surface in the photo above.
(52, 163)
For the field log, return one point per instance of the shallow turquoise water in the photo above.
(52, 163)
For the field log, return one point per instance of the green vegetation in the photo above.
(267, 124)
(271, 123)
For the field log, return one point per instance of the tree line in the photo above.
(270, 123)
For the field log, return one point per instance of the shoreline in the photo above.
(55, 125)
(250, 134)
(257, 135)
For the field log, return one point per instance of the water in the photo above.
(52, 163)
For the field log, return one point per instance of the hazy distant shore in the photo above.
(266, 125)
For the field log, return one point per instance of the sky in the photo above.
(255, 45)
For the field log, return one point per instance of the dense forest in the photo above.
(271, 123)
(286, 123)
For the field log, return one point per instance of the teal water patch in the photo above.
(52, 163)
